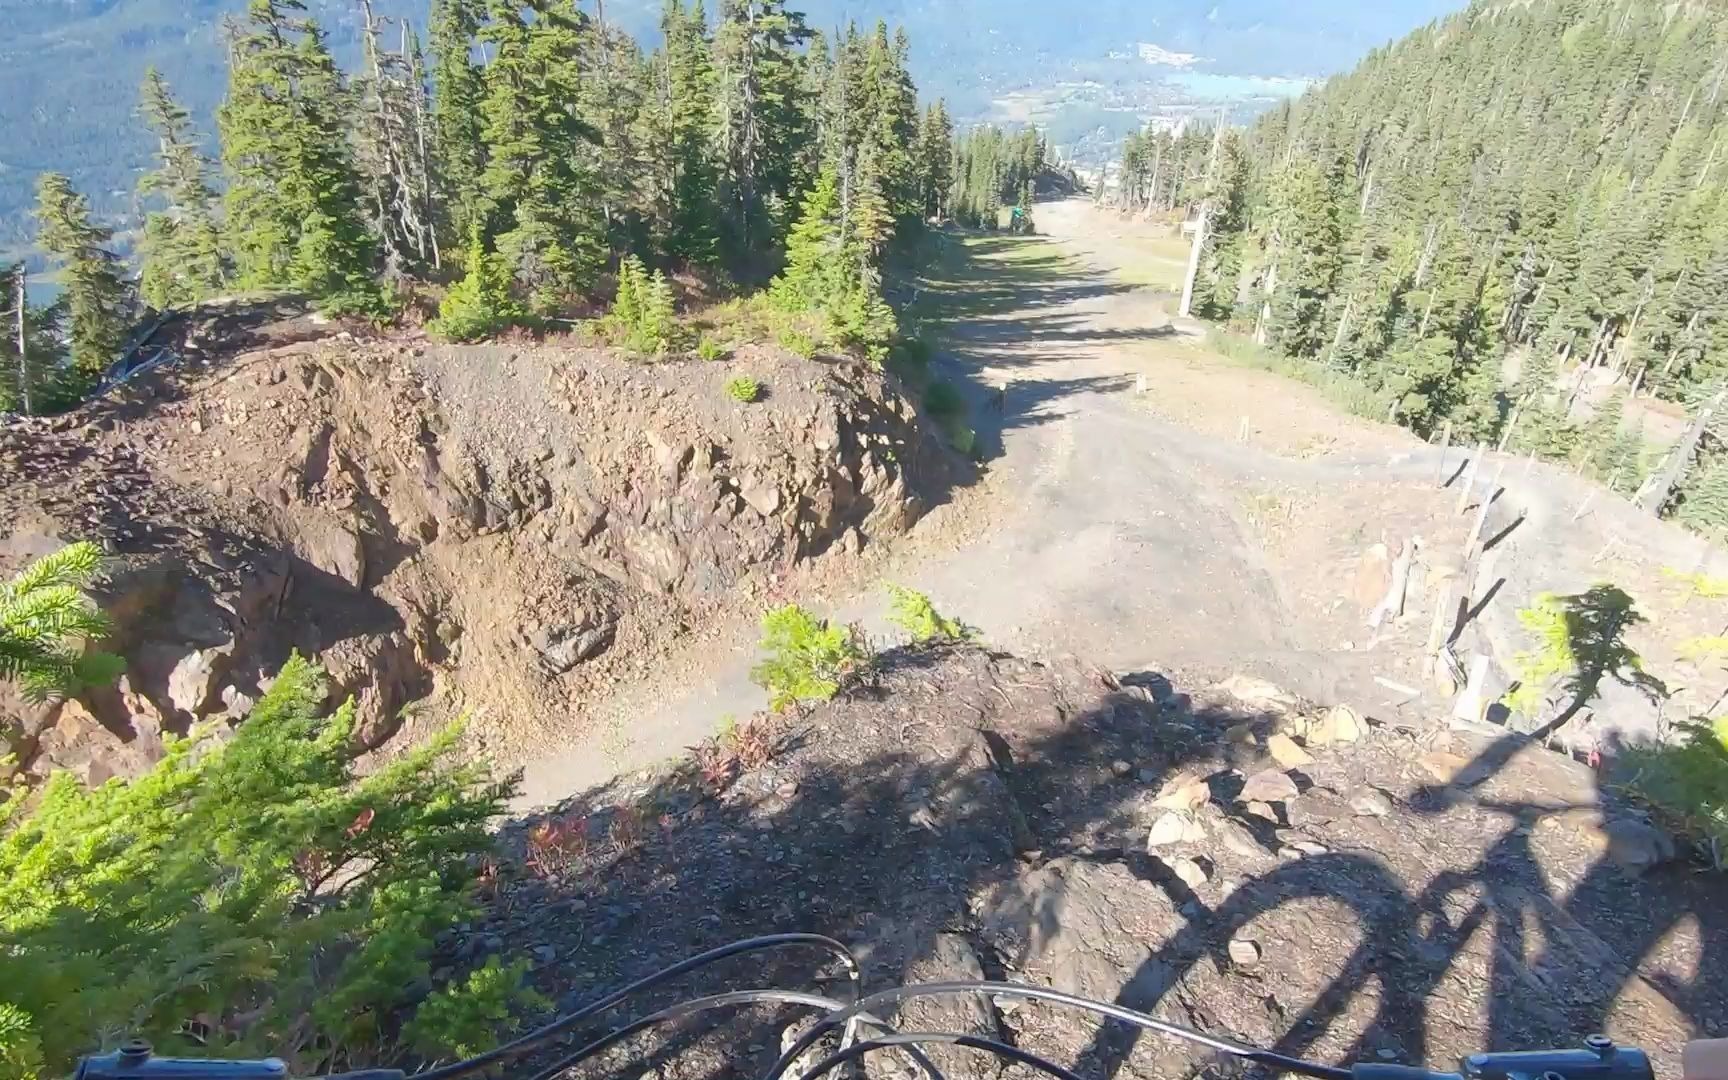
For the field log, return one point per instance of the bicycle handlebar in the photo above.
(1599, 1059)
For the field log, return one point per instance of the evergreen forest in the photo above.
(526, 161)
(1517, 207)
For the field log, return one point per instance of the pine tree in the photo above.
(47, 623)
(936, 160)
(1307, 214)
(690, 229)
(182, 247)
(480, 304)
(538, 189)
(761, 123)
(293, 206)
(97, 300)
(458, 150)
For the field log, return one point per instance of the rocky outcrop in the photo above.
(487, 525)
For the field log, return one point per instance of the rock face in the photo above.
(486, 523)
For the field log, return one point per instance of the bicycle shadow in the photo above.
(976, 799)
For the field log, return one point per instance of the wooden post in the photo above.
(1445, 607)
(1482, 510)
(1445, 441)
(1470, 478)
(1469, 705)
(1392, 604)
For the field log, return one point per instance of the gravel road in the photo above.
(1115, 534)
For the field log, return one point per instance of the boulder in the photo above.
(1286, 753)
(1268, 785)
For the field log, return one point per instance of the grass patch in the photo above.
(1340, 389)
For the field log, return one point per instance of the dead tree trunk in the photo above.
(1681, 455)
(1193, 263)
(23, 345)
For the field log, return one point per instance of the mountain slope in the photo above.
(1517, 189)
(70, 69)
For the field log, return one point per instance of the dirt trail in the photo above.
(1115, 531)
(1107, 538)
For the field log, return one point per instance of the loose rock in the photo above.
(1187, 871)
(1174, 828)
(1244, 952)
(1185, 793)
(1268, 785)
(1286, 753)
(1339, 724)
(1371, 802)
(1238, 840)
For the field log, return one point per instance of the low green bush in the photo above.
(710, 349)
(1687, 781)
(794, 340)
(943, 400)
(807, 659)
(262, 894)
(743, 389)
(913, 612)
(481, 304)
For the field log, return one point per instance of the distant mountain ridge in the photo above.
(70, 69)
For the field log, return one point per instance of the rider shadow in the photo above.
(1556, 965)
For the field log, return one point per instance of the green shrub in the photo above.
(480, 304)
(808, 659)
(943, 400)
(643, 317)
(1688, 781)
(465, 1018)
(963, 439)
(710, 349)
(794, 340)
(743, 389)
(913, 612)
(46, 621)
(263, 887)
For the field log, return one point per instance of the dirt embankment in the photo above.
(1229, 858)
(492, 530)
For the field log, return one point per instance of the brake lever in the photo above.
(134, 1061)
(1600, 1059)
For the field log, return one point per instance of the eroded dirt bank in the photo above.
(491, 530)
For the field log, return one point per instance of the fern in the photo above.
(1688, 780)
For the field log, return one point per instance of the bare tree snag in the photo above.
(23, 345)
(1681, 455)
(1193, 263)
